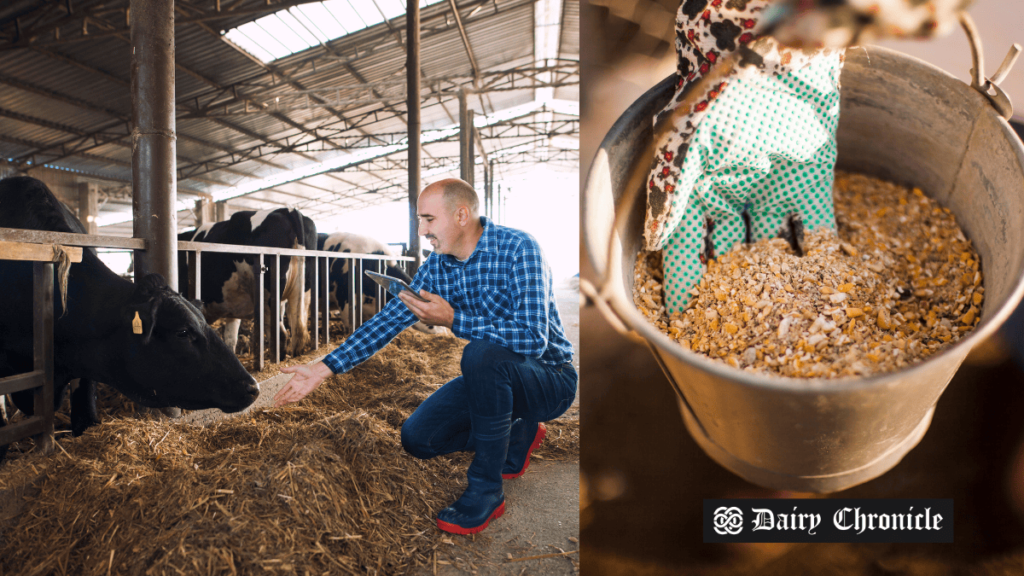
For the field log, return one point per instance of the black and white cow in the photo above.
(227, 279)
(339, 275)
(177, 360)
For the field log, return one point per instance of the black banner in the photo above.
(828, 520)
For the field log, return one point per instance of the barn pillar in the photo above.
(220, 211)
(466, 158)
(154, 177)
(412, 104)
(489, 190)
(88, 199)
(204, 212)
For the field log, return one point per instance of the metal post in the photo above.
(88, 196)
(195, 275)
(412, 105)
(154, 177)
(42, 350)
(204, 212)
(325, 294)
(381, 267)
(352, 294)
(465, 139)
(359, 293)
(273, 269)
(257, 313)
(488, 184)
(316, 303)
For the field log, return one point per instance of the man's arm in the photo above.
(373, 335)
(527, 330)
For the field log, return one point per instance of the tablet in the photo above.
(393, 285)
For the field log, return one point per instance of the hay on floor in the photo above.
(321, 487)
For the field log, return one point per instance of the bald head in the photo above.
(456, 193)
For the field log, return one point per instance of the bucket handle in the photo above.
(989, 87)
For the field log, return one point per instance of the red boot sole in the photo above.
(456, 529)
(542, 431)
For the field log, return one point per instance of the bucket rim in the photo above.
(627, 311)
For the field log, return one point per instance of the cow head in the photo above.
(177, 359)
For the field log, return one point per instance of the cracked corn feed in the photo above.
(899, 283)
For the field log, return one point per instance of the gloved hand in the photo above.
(762, 160)
(754, 151)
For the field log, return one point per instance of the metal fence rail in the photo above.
(267, 261)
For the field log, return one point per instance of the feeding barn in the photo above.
(173, 170)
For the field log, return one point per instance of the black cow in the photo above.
(176, 361)
(339, 275)
(227, 279)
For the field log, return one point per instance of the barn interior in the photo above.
(296, 103)
(309, 105)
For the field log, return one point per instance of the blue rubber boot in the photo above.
(525, 438)
(483, 500)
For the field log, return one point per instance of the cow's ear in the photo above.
(145, 302)
(141, 319)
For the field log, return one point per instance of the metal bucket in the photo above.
(901, 120)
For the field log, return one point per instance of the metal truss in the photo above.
(332, 140)
(540, 154)
(396, 189)
(87, 142)
(60, 22)
(559, 73)
(400, 165)
(274, 89)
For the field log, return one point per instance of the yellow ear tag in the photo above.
(137, 324)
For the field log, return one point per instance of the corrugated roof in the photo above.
(65, 100)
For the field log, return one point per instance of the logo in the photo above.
(911, 520)
(728, 520)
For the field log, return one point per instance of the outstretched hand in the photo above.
(305, 380)
(435, 312)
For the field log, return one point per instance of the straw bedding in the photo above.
(314, 488)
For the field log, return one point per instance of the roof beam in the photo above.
(472, 57)
(22, 85)
(358, 164)
(327, 141)
(399, 164)
(563, 73)
(202, 78)
(465, 40)
(284, 77)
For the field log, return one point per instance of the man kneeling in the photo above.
(490, 285)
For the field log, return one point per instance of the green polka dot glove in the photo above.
(763, 154)
(749, 137)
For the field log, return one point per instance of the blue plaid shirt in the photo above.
(502, 294)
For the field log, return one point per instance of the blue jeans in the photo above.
(497, 386)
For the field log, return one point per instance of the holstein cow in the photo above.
(227, 279)
(339, 275)
(177, 360)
